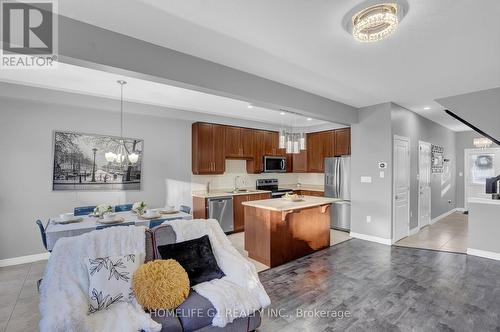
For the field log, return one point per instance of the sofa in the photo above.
(199, 307)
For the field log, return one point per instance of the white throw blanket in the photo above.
(240, 292)
(64, 291)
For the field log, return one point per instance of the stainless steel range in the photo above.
(272, 185)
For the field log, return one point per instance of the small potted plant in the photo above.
(101, 209)
(139, 207)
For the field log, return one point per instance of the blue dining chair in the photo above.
(185, 208)
(42, 234)
(123, 207)
(156, 222)
(44, 242)
(113, 225)
(84, 210)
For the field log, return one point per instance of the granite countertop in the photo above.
(281, 204)
(310, 187)
(227, 192)
(484, 201)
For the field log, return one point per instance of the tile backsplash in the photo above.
(238, 168)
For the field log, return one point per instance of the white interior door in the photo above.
(424, 184)
(401, 204)
(479, 164)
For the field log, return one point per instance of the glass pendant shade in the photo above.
(302, 141)
(289, 143)
(282, 138)
(296, 144)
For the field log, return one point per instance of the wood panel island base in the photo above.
(278, 231)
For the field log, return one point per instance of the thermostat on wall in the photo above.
(382, 165)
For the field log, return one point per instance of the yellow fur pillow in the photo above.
(160, 284)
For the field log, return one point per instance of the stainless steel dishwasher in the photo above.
(221, 209)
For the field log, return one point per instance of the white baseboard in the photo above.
(460, 209)
(444, 215)
(483, 253)
(24, 259)
(414, 231)
(371, 238)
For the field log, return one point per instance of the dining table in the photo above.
(56, 230)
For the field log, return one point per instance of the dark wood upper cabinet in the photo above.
(271, 144)
(314, 153)
(299, 164)
(208, 156)
(219, 151)
(255, 165)
(343, 142)
(233, 142)
(213, 143)
(239, 142)
(247, 143)
(327, 139)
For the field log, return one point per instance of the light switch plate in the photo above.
(368, 219)
(366, 179)
(382, 174)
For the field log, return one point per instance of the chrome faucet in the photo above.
(235, 188)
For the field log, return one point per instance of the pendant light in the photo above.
(121, 155)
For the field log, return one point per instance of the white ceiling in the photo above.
(87, 81)
(442, 48)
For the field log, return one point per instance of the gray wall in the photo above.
(371, 143)
(443, 186)
(26, 130)
(464, 140)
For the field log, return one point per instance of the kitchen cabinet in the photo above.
(213, 143)
(321, 145)
(299, 162)
(327, 140)
(239, 209)
(255, 165)
(238, 142)
(208, 155)
(343, 142)
(314, 153)
(271, 142)
(200, 208)
(309, 193)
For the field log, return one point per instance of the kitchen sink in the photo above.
(240, 191)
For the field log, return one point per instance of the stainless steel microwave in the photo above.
(273, 164)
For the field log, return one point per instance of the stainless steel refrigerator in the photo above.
(338, 185)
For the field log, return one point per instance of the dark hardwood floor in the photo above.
(383, 288)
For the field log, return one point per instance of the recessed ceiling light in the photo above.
(309, 119)
(282, 113)
(250, 106)
(427, 108)
(375, 22)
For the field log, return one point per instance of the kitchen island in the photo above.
(278, 231)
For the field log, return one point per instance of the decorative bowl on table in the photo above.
(151, 214)
(67, 218)
(110, 218)
(169, 209)
(293, 197)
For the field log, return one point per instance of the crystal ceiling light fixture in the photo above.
(482, 142)
(373, 20)
(375, 23)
